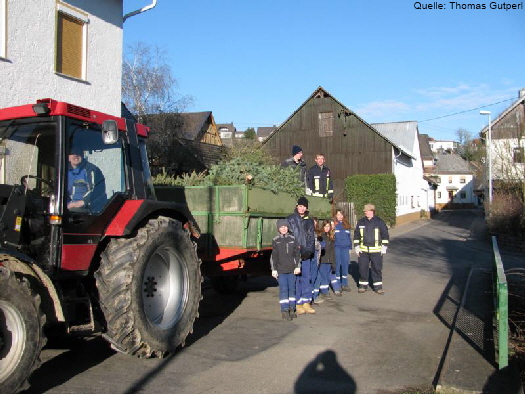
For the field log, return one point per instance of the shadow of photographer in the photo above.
(325, 375)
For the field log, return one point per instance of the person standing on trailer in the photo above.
(319, 181)
(296, 161)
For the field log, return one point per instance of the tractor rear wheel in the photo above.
(149, 288)
(21, 332)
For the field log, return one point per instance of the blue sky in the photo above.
(253, 63)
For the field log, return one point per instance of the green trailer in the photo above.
(237, 224)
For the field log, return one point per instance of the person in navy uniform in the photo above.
(86, 186)
(319, 182)
(370, 243)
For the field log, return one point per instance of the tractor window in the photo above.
(95, 171)
(27, 157)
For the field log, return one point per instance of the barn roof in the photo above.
(320, 91)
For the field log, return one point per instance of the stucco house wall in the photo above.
(27, 69)
(413, 191)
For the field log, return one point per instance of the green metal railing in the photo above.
(501, 300)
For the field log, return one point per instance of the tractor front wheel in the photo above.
(149, 288)
(21, 331)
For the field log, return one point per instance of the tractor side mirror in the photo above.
(109, 132)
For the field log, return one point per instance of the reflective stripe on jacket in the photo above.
(371, 234)
(320, 182)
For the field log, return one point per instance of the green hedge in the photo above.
(379, 189)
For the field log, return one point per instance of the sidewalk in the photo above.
(468, 362)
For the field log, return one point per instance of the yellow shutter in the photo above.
(69, 45)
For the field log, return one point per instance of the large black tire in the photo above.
(21, 332)
(149, 288)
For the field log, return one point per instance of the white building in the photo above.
(455, 182)
(69, 51)
(436, 145)
(414, 195)
(508, 143)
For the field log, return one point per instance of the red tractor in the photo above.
(85, 246)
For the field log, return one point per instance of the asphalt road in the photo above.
(359, 343)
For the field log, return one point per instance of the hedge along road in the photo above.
(358, 343)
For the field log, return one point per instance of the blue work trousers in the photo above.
(303, 284)
(324, 278)
(342, 261)
(286, 291)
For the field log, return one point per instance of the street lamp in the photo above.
(489, 147)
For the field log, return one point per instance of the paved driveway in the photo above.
(363, 343)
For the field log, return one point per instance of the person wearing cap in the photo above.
(86, 186)
(296, 161)
(284, 262)
(302, 228)
(319, 182)
(370, 244)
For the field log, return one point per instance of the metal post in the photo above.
(489, 155)
(490, 162)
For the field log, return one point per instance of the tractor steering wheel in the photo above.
(48, 183)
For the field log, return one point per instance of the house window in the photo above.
(71, 42)
(519, 156)
(412, 202)
(438, 180)
(226, 134)
(3, 28)
(450, 179)
(439, 194)
(462, 179)
(462, 195)
(326, 124)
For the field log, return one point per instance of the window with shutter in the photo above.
(326, 124)
(71, 42)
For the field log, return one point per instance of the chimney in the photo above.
(522, 93)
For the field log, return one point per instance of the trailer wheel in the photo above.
(149, 288)
(21, 332)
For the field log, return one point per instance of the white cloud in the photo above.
(380, 110)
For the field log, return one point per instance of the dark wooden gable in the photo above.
(324, 125)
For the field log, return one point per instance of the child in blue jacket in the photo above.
(343, 245)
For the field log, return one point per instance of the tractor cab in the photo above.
(64, 173)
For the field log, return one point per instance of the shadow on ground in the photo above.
(324, 375)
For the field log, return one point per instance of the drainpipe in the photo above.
(140, 11)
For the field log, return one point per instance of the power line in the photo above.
(468, 110)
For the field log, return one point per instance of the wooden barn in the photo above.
(324, 125)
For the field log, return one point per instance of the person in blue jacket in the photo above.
(86, 186)
(343, 246)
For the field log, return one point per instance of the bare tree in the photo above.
(466, 148)
(149, 92)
